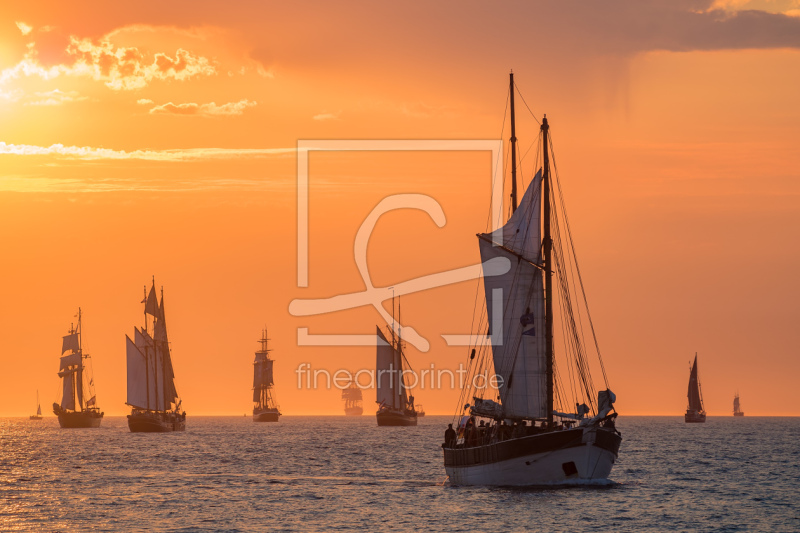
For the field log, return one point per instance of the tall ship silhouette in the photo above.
(78, 407)
(695, 412)
(265, 408)
(353, 397)
(737, 408)
(532, 426)
(152, 395)
(395, 405)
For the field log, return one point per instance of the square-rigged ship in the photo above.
(78, 407)
(265, 408)
(353, 397)
(151, 380)
(539, 423)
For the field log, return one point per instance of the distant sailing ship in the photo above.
(38, 415)
(265, 408)
(395, 405)
(522, 440)
(695, 412)
(420, 410)
(74, 411)
(154, 401)
(737, 409)
(352, 397)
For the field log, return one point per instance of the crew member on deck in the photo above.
(450, 437)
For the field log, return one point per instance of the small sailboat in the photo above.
(352, 397)
(265, 408)
(152, 396)
(78, 407)
(737, 408)
(522, 431)
(395, 405)
(420, 410)
(38, 415)
(695, 413)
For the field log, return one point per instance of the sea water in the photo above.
(345, 473)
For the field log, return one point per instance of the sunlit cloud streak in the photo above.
(93, 153)
(206, 110)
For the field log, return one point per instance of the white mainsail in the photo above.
(137, 381)
(68, 391)
(519, 348)
(387, 370)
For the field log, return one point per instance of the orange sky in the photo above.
(145, 139)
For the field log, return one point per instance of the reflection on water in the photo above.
(327, 473)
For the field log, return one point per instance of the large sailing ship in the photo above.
(395, 405)
(38, 415)
(154, 401)
(695, 412)
(535, 423)
(737, 408)
(352, 397)
(265, 408)
(78, 407)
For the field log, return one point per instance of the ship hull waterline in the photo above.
(394, 418)
(268, 416)
(580, 463)
(155, 423)
(353, 411)
(694, 418)
(79, 420)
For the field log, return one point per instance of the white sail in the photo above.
(137, 382)
(519, 349)
(68, 392)
(70, 360)
(387, 373)
(70, 342)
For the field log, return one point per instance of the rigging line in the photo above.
(565, 294)
(577, 267)
(526, 104)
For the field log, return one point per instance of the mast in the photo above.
(79, 373)
(547, 244)
(155, 350)
(513, 148)
(146, 357)
(163, 355)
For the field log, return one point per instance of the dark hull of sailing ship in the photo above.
(556, 457)
(156, 422)
(88, 418)
(695, 413)
(395, 417)
(154, 401)
(565, 447)
(267, 415)
(353, 411)
(74, 411)
(694, 417)
(265, 408)
(35, 417)
(738, 414)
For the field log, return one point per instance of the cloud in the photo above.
(206, 110)
(92, 153)
(24, 28)
(127, 68)
(55, 97)
(118, 67)
(328, 116)
(144, 101)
